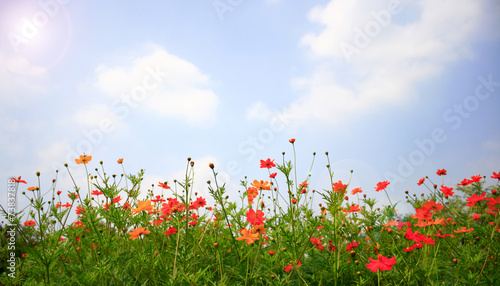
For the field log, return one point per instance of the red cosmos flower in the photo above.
(117, 199)
(96, 192)
(421, 181)
(273, 175)
(199, 203)
(157, 222)
(441, 172)
(267, 163)
(294, 201)
(95, 245)
(73, 196)
(408, 249)
(352, 245)
(447, 191)
(465, 182)
(105, 206)
(330, 246)
(433, 206)
(67, 205)
(382, 263)
(304, 184)
(193, 223)
(475, 198)
(317, 243)
(492, 203)
(18, 180)
(476, 179)
(495, 176)
(476, 217)
(401, 225)
(426, 240)
(158, 199)
(59, 192)
(356, 190)
(290, 267)
(381, 186)
(255, 218)
(30, 223)
(173, 205)
(418, 245)
(422, 214)
(410, 235)
(319, 227)
(291, 141)
(163, 185)
(79, 223)
(171, 230)
(354, 208)
(339, 187)
(79, 210)
(271, 252)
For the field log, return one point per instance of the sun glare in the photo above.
(38, 32)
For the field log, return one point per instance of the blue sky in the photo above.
(393, 90)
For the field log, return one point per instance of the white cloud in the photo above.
(386, 57)
(164, 83)
(492, 145)
(20, 80)
(258, 110)
(91, 116)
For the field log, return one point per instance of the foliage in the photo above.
(274, 237)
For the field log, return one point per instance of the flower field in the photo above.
(280, 231)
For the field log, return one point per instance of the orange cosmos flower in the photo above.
(356, 190)
(142, 206)
(354, 208)
(84, 159)
(134, 234)
(248, 236)
(120, 161)
(463, 229)
(259, 229)
(262, 185)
